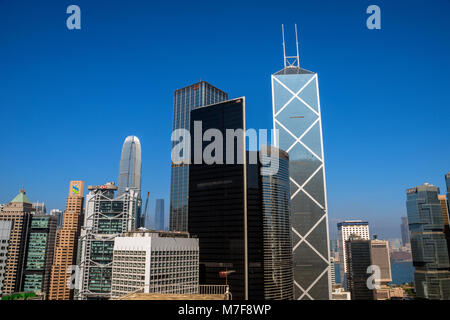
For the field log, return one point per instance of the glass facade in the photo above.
(130, 165)
(358, 260)
(428, 243)
(216, 207)
(159, 214)
(297, 117)
(404, 231)
(278, 272)
(185, 100)
(40, 252)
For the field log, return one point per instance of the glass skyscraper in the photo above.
(187, 99)
(275, 194)
(404, 231)
(40, 253)
(159, 214)
(130, 165)
(428, 243)
(240, 213)
(297, 116)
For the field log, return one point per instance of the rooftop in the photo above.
(21, 197)
(292, 70)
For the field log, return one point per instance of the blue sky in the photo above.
(69, 98)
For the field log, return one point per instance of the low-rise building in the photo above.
(155, 262)
(340, 294)
(388, 293)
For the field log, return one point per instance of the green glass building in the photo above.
(39, 253)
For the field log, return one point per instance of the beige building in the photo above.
(340, 294)
(388, 293)
(19, 212)
(379, 256)
(66, 243)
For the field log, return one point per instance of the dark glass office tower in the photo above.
(40, 253)
(217, 202)
(428, 243)
(185, 100)
(240, 217)
(358, 260)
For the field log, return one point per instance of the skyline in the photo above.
(129, 63)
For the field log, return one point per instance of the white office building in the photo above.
(345, 230)
(150, 261)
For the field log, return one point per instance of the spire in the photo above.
(291, 61)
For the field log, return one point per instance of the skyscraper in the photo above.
(297, 116)
(405, 231)
(159, 214)
(428, 243)
(275, 198)
(445, 219)
(358, 260)
(239, 212)
(19, 212)
(380, 257)
(185, 100)
(347, 229)
(5, 234)
(130, 165)
(106, 217)
(59, 217)
(67, 243)
(218, 208)
(40, 253)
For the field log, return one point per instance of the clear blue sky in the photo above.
(68, 98)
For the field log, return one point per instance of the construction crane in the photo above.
(144, 216)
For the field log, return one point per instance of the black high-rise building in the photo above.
(358, 260)
(218, 201)
(238, 231)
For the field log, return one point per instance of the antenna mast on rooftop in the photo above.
(291, 61)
